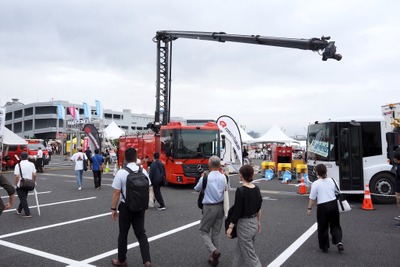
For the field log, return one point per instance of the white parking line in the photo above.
(42, 254)
(293, 247)
(57, 203)
(115, 251)
(39, 193)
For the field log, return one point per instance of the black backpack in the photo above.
(137, 190)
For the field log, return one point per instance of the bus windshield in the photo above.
(320, 144)
(191, 143)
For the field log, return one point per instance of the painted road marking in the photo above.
(57, 203)
(293, 247)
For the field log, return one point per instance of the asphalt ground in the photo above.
(75, 228)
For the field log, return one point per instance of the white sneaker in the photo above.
(79, 188)
(397, 218)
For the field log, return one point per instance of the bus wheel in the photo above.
(382, 184)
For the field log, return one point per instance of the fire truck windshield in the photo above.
(320, 142)
(190, 143)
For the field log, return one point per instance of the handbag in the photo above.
(226, 198)
(201, 194)
(151, 197)
(84, 163)
(25, 184)
(228, 219)
(228, 222)
(342, 203)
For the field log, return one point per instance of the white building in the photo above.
(40, 119)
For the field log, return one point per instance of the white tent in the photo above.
(274, 135)
(112, 131)
(246, 138)
(10, 138)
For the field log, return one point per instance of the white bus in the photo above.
(355, 152)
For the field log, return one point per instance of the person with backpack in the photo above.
(131, 191)
(157, 177)
(213, 208)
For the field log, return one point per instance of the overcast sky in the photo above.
(86, 50)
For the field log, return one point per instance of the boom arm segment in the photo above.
(164, 49)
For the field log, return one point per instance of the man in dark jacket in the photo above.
(10, 191)
(157, 177)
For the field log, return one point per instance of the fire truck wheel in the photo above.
(382, 184)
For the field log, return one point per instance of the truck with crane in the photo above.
(357, 152)
(185, 149)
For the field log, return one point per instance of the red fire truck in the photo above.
(185, 149)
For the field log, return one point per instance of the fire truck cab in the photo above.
(184, 150)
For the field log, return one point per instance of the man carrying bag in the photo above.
(25, 170)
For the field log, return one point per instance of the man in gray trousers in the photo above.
(213, 209)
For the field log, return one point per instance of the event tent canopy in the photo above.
(246, 138)
(274, 135)
(112, 131)
(10, 138)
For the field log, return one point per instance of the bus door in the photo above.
(350, 156)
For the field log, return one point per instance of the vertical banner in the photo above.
(2, 121)
(72, 112)
(85, 143)
(60, 112)
(99, 109)
(93, 135)
(87, 111)
(231, 131)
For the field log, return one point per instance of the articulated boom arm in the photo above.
(164, 49)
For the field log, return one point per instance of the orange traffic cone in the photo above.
(367, 203)
(302, 187)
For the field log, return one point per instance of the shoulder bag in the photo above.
(84, 162)
(101, 166)
(201, 194)
(229, 217)
(25, 184)
(226, 197)
(343, 205)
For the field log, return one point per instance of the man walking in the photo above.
(97, 168)
(78, 158)
(39, 160)
(128, 217)
(213, 210)
(157, 177)
(25, 169)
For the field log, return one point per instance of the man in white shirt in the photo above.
(39, 160)
(78, 158)
(27, 170)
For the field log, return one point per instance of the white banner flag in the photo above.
(2, 120)
(231, 131)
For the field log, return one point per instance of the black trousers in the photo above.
(158, 196)
(23, 202)
(39, 164)
(328, 219)
(97, 179)
(136, 219)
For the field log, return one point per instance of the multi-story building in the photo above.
(40, 119)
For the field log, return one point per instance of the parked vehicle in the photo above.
(33, 147)
(12, 155)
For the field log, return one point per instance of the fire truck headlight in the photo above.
(179, 179)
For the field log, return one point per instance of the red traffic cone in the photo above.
(302, 187)
(367, 203)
